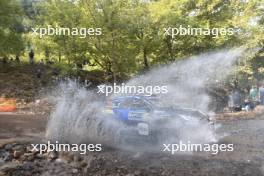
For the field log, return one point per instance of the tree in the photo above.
(10, 28)
(133, 37)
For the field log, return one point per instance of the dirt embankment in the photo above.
(256, 113)
(20, 81)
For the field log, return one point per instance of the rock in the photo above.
(2, 146)
(45, 155)
(77, 158)
(52, 155)
(29, 149)
(18, 148)
(18, 153)
(137, 172)
(83, 164)
(29, 156)
(37, 102)
(39, 156)
(7, 167)
(8, 147)
(59, 160)
(69, 157)
(74, 171)
(130, 175)
(22, 158)
(5, 156)
(28, 166)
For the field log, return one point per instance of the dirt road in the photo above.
(246, 159)
(19, 127)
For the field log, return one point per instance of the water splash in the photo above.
(188, 78)
(79, 115)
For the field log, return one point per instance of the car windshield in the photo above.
(158, 103)
(155, 102)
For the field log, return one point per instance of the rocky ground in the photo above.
(19, 160)
(16, 157)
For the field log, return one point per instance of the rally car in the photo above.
(145, 119)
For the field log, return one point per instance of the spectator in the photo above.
(235, 103)
(17, 59)
(249, 105)
(31, 57)
(253, 94)
(261, 94)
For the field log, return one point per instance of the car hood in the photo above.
(183, 112)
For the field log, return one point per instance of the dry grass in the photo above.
(257, 112)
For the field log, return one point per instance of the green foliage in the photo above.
(11, 41)
(133, 37)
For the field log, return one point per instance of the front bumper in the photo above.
(132, 136)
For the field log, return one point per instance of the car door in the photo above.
(122, 108)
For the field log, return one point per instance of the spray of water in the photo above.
(79, 114)
(187, 79)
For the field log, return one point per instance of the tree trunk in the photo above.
(169, 46)
(146, 64)
(59, 56)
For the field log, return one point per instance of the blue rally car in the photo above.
(145, 119)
